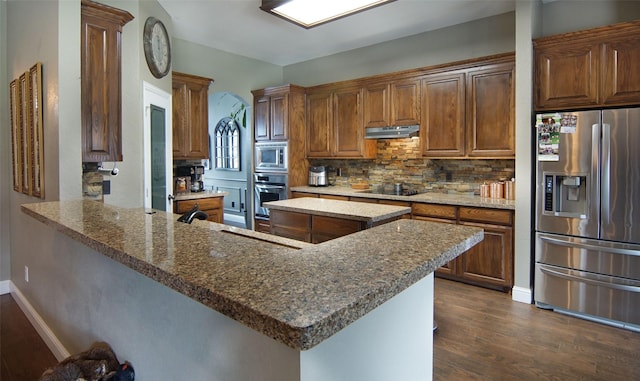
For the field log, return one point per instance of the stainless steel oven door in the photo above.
(268, 187)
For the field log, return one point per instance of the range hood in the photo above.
(391, 132)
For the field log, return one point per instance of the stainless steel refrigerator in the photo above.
(587, 240)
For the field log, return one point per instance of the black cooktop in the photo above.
(404, 192)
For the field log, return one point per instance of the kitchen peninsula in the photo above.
(357, 307)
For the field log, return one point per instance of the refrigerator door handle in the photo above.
(588, 246)
(605, 190)
(587, 278)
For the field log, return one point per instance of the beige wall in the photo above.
(231, 73)
(5, 150)
(477, 38)
(563, 16)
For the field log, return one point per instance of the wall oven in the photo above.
(268, 187)
(271, 157)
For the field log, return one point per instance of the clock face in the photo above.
(157, 48)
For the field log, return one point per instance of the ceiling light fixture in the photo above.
(310, 13)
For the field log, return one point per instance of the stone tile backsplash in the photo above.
(400, 161)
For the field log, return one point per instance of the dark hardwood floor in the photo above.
(482, 335)
(23, 354)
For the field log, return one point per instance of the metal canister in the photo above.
(510, 189)
(497, 190)
(485, 190)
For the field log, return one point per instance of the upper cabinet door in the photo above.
(279, 117)
(405, 102)
(566, 75)
(190, 116)
(261, 118)
(490, 111)
(376, 105)
(319, 124)
(621, 71)
(348, 123)
(443, 125)
(101, 81)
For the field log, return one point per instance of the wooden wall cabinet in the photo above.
(213, 206)
(469, 112)
(101, 80)
(279, 115)
(190, 116)
(275, 113)
(394, 103)
(335, 126)
(490, 116)
(587, 69)
(443, 116)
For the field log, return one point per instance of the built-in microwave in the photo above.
(271, 157)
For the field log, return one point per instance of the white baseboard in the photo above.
(55, 346)
(5, 287)
(521, 294)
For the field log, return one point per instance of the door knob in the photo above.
(171, 197)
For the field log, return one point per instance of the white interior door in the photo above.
(158, 152)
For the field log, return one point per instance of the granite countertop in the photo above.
(429, 197)
(197, 195)
(299, 294)
(348, 210)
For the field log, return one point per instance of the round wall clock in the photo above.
(157, 47)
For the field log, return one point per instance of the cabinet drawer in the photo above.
(262, 226)
(502, 217)
(436, 211)
(364, 199)
(334, 197)
(293, 220)
(303, 194)
(396, 203)
(203, 204)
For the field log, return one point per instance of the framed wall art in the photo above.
(16, 136)
(37, 139)
(25, 131)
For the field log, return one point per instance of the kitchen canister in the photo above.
(497, 189)
(510, 189)
(485, 190)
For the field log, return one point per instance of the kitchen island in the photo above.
(318, 220)
(357, 307)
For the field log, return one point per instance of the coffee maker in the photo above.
(196, 174)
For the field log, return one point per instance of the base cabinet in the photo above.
(262, 226)
(311, 228)
(212, 206)
(489, 263)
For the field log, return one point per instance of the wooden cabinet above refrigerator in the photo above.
(588, 69)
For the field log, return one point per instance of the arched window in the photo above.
(227, 145)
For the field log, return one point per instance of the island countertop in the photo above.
(299, 294)
(358, 211)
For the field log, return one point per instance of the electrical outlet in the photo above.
(26, 274)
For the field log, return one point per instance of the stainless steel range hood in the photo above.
(391, 132)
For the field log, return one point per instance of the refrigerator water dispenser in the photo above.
(566, 195)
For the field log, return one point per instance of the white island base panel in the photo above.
(392, 342)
